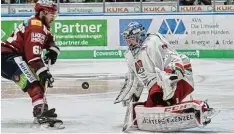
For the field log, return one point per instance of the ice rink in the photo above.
(92, 110)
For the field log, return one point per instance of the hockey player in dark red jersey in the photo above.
(22, 63)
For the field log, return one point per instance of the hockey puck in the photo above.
(85, 85)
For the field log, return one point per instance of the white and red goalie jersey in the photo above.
(167, 76)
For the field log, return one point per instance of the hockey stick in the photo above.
(130, 107)
(45, 90)
(126, 125)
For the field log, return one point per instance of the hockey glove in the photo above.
(52, 54)
(46, 76)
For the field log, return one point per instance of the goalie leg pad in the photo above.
(186, 115)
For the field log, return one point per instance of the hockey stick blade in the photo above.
(125, 128)
(127, 114)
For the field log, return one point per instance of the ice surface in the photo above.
(214, 80)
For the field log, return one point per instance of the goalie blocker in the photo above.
(186, 115)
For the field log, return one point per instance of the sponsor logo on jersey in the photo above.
(172, 26)
(172, 119)
(139, 67)
(38, 37)
(36, 23)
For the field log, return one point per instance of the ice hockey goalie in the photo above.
(155, 66)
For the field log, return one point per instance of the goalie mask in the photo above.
(134, 35)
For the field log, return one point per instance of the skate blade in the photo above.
(46, 126)
(35, 121)
(59, 125)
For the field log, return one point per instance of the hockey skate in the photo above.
(47, 118)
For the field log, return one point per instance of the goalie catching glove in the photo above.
(175, 68)
(168, 79)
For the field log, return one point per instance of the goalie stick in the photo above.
(127, 114)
